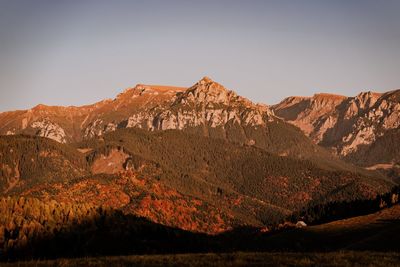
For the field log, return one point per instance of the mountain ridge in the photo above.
(348, 126)
(208, 108)
(94, 119)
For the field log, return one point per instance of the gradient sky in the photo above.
(77, 52)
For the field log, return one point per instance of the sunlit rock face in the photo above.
(46, 128)
(344, 124)
(206, 104)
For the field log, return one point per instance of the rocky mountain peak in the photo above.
(39, 107)
(205, 104)
(207, 91)
(205, 80)
(366, 99)
(209, 85)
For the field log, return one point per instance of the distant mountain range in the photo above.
(203, 158)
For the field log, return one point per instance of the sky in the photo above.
(77, 52)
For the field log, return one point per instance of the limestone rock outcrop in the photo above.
(346, 125)
(151, 107)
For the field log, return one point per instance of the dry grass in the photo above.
(231, 259)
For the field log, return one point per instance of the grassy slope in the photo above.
(379, 231)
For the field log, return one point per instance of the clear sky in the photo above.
(76, 52)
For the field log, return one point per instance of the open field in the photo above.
(348, 258)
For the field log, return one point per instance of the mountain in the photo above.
(206, 109)
(178, 156)
(363, 129)
(182, 161)
(206, 105)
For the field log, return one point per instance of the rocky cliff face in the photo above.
(205, 104)
(347, 125)
(46, 128)
(207, 108)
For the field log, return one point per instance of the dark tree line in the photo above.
(31, 228)
(337, 210)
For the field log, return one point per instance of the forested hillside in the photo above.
(26, 161)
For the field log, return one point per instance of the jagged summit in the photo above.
(205, 104)
(207, 84)
(368, 94)
(206, 79)
(40, 106)
(207, 91)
